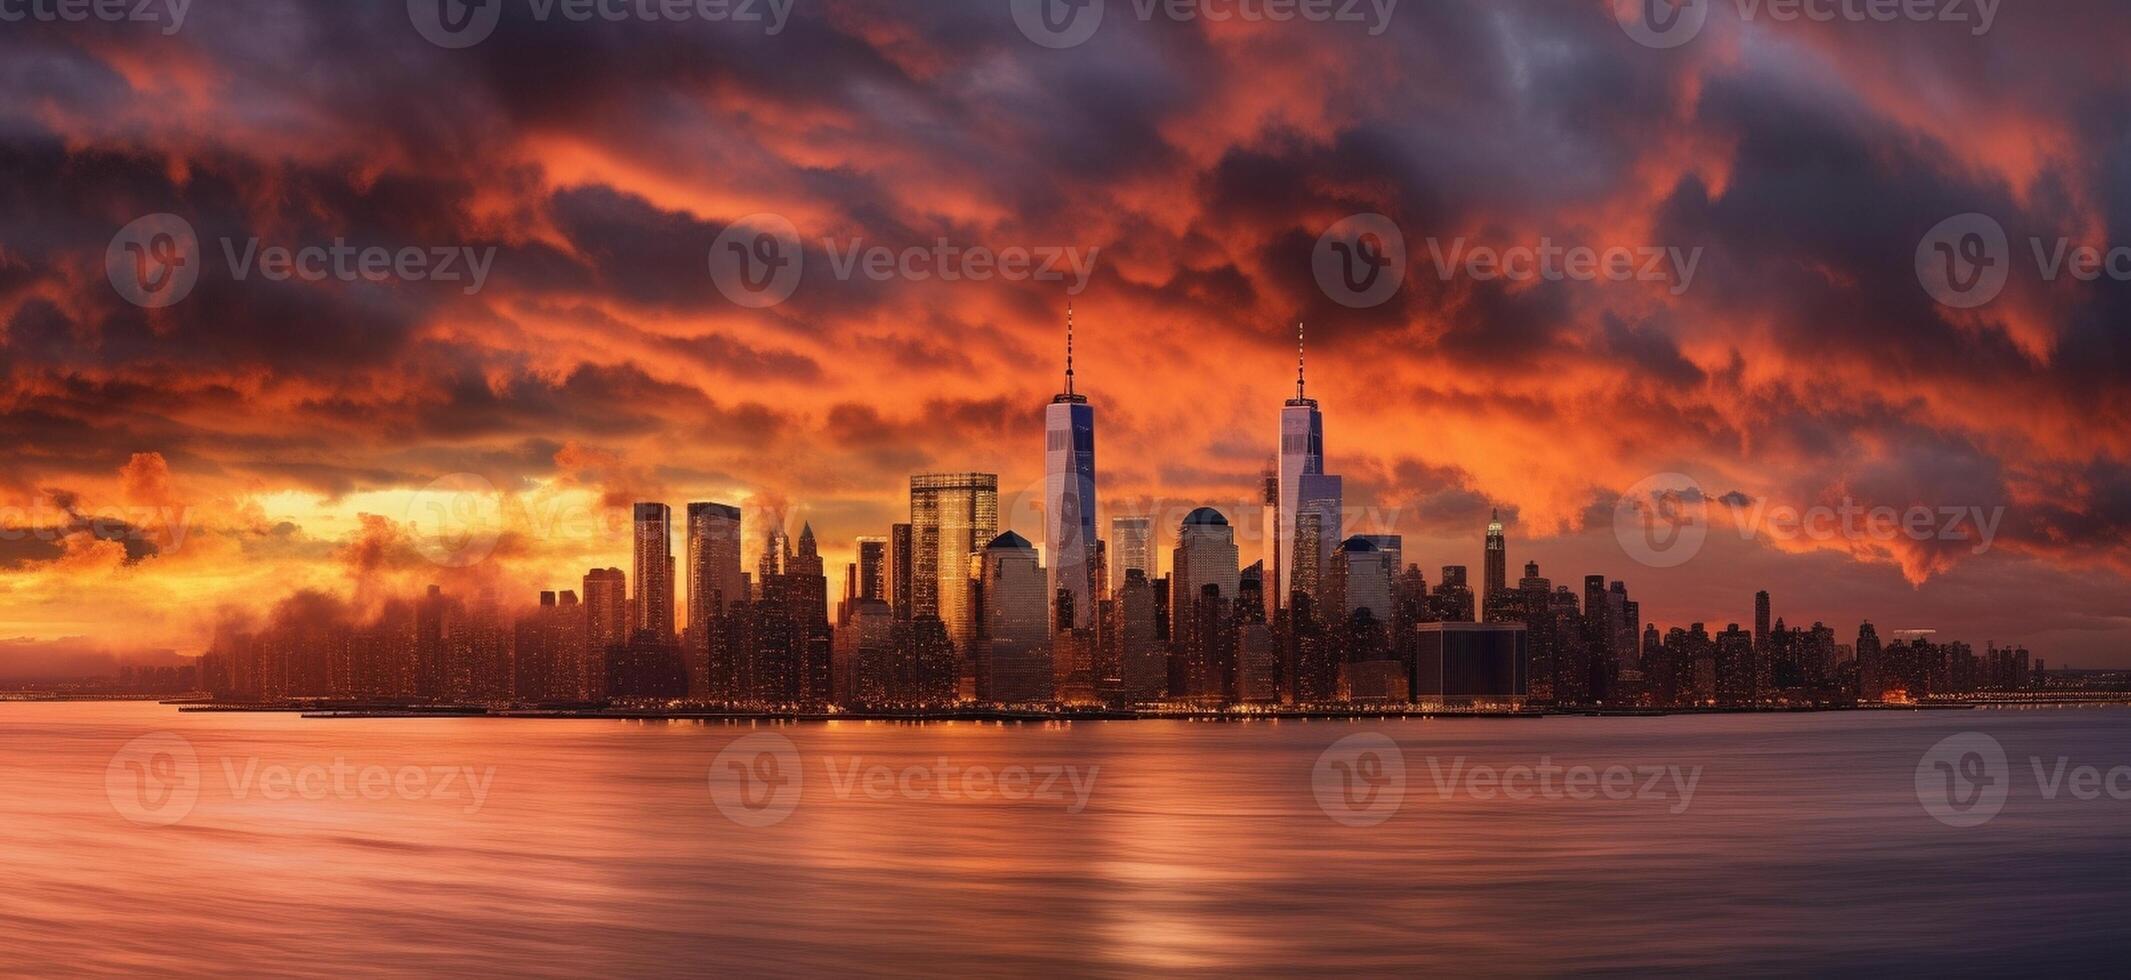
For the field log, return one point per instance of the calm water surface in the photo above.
(598, 847)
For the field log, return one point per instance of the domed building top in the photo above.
(1205, 517)
(1009, 541)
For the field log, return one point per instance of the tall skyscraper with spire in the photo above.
(1304, 486)
(1069, 496)
(1497, 567)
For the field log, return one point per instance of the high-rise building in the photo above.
(1131, 548)
(1871, 668)
(713, 551)
(1761, 621)
(1303, 483)
(653, 606)
(1205, 555)
(872, 569)
(1142, 669)
(1393, 547)
(1013, 645)
(606, 592)
(952, 517)
(1496, 569)
(899, 570)
(1271, 547)
(1365, 573)
(1069, 496)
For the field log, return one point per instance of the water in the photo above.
(598, 847)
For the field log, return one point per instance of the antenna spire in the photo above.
(1069, 347)
(1298, 360)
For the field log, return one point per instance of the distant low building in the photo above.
(1471, 661)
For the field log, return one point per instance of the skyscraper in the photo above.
(899, 570)
(1364, 573)
(1205, 555)
(952, 517)
(1497, 566)
(654, 570)
(714, 580)
(1303, 483)
(1013, 649)
(1271, 549)
(1131, 548)
(1069, 495)
(606, 593)
(1761, 620)
(872, 569)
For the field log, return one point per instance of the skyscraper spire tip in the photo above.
(1069, 347)
(1298, 360)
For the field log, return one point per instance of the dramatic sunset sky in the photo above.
(290, 428)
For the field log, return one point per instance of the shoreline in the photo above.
(989, 713)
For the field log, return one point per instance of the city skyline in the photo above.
(296, 428)
(958, 611)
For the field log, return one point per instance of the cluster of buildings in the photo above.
(948, 608)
